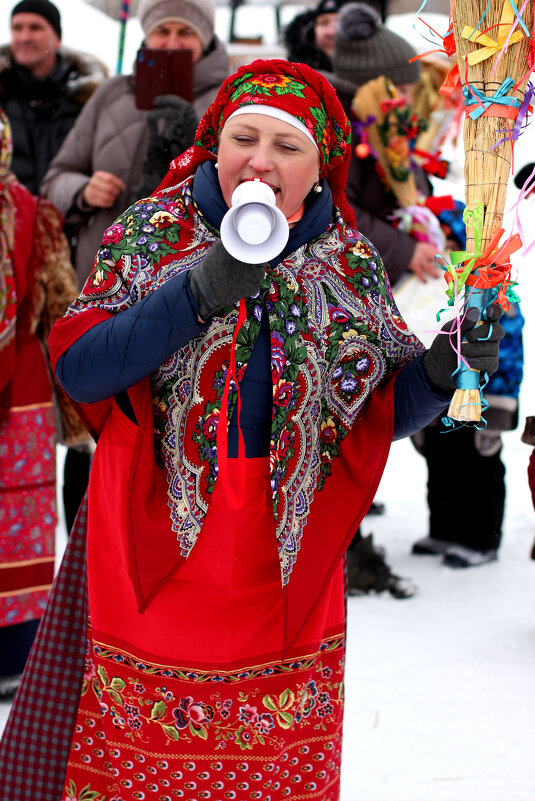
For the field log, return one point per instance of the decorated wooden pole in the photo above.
(494, 44)
(123, 19)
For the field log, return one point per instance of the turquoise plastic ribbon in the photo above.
(473, 95)
(519, 18)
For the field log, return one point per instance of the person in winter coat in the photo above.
(472, 537)
(37, 283)
(117, 152)
(43, 88)
(309, 37)
(365, 49)
(239, 404)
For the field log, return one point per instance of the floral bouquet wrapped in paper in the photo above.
(441, 111)
(390, 129)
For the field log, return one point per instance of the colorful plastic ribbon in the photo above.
(484, 270)
(525, 109)
(492, 46)
(455, 276)
(500, 104)
(451, 81)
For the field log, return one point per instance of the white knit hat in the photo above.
(199, 15)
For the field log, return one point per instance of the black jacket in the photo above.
(300, 42)
(42, 111)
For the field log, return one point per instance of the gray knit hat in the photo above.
(197, 14)
(364, 49)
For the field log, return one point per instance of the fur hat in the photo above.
(364, 49)
(196, 14)
(44, 8)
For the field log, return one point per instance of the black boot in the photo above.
(367, 571)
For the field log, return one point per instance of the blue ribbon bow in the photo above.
(473, 95)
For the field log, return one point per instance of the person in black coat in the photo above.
(364, 49)
(309, 37)
(42, 88)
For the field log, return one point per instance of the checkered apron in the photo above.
(37, 739)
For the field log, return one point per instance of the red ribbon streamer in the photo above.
(235, 497)
(495, 110)
(494, 267)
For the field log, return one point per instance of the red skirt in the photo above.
(193, 699)
(27, 511)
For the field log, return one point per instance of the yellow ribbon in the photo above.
(492, 46)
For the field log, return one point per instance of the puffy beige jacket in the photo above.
(111, 134)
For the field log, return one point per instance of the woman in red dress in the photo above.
(244, 414)
(37, 283)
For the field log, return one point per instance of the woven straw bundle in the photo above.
(488, 150)
(487, 170)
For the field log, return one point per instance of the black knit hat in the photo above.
(364, 49)
(328, 7)
(44, 8)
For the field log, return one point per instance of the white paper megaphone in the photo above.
(254, 230)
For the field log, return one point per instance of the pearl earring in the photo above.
(216, 165)
(318, 189)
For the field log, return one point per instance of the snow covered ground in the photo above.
(440, 688)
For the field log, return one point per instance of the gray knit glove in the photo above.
(480, 349)
(220, 280)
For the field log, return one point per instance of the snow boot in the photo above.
(9, 686)
(376, 508)
(461, 556)
(430, 546)
(368, 572)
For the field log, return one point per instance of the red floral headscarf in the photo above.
(295, 88)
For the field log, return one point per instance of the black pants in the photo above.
(465, 490)
(15, 644)
(75, 479)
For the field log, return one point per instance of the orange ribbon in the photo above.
(451, 81)
(495, 110)
(493, 267)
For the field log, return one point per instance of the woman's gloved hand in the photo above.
(220, 280)
(480, 347)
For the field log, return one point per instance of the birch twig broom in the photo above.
(494, 54)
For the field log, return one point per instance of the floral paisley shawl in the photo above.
(335, 333)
